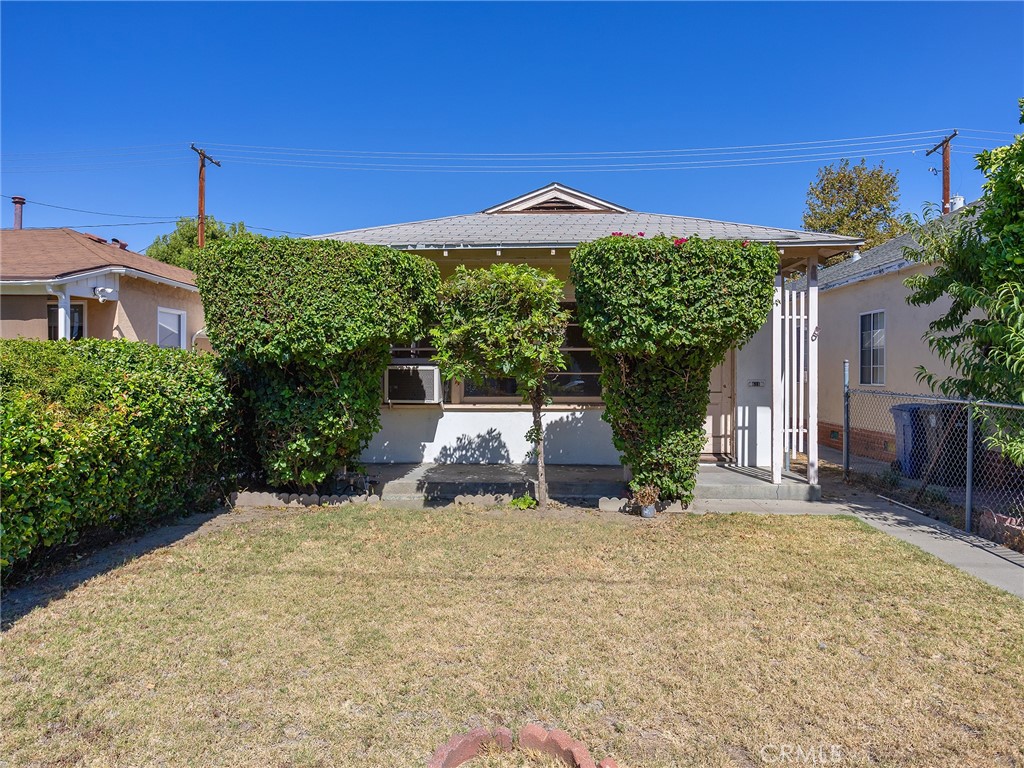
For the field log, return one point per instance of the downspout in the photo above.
(196, 335)
(63, 310)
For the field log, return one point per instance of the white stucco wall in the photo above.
(753, 423)
(468, 434)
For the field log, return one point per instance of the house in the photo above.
(63, 284)
(758, 400)
(865, 319)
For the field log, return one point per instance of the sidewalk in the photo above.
(999, 566)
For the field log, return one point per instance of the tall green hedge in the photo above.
(661, 313)
(308, 326)
(109, 434)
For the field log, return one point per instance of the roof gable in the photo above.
(556, 198)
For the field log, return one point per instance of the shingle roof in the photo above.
(515, 229)
(50, 254)
(884, 258)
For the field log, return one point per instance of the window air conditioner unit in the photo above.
(413, 384)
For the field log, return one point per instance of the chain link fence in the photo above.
(956, 460)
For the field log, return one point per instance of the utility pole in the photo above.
(203, 157)
(945, 167)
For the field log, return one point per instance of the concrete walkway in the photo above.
(999, 566)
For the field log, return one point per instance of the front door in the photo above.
(718, 423)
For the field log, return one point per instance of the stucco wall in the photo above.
(905, 350)
(478, 434)
(23, 316)
(138, 300)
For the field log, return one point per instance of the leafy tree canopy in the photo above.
(179, 246)
(855, 201)
(978, 260)
(505, 321)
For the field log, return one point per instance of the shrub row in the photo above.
(108, 434)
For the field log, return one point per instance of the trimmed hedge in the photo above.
(106, 434)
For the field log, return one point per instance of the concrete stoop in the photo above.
(441, 484)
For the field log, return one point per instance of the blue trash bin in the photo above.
(912, 446)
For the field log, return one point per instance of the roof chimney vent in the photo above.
(956, 202)
(855, 256)
(119, 243)
(19, 203)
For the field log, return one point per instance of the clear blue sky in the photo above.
(478, 78)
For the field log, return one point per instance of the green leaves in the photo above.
(307, 326)
(856, 201)
(505, 321)
(661, 315)
(107, 433)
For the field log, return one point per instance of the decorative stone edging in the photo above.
(615, 504)
(554, 743)
(483, 499)
(265, 499)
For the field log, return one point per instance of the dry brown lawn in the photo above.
(367, 637)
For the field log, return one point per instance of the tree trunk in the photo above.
(537, 400)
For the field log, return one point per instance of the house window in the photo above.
(872, 348)
(170, 328)
(77, 321)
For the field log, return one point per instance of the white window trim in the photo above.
(85, 317)
(184, 325)
(860, 350)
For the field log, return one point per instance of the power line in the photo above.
(920, 135)
(681, 165)
(91, 226)
(95, 213)
(130, 150)
(982, 130)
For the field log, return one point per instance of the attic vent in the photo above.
(556, 204)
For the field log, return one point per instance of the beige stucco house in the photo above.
(63, 284)
(763, 397)
(865, 319)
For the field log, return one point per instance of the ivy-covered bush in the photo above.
(306, 326)
(107, 434)
(661, 313)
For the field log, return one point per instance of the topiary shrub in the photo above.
(661, 313)
(107, 434)
(306, 327)
(504, 321)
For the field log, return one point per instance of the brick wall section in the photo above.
(863, 442)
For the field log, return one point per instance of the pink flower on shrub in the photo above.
(616, 234)
(639, 234)
(746, 243)
(681, 240)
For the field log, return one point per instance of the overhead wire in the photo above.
(94, 213)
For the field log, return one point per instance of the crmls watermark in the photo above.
(802, 754)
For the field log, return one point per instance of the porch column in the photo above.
(778, 388)
(812, 371)
(63, 310)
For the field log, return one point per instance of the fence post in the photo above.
(969, 483)
(846, 420)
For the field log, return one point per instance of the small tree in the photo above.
(504, 322)
(856, 201)
(978, 259)
(307, 327)
(180, 246)
(661, 315)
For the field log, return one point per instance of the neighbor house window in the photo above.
(170, 328)
(872, 348)
(77, 322)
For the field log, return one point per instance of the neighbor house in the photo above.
(63, 284)
(865, 319)
(763, 396)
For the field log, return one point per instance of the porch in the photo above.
(430, 485)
